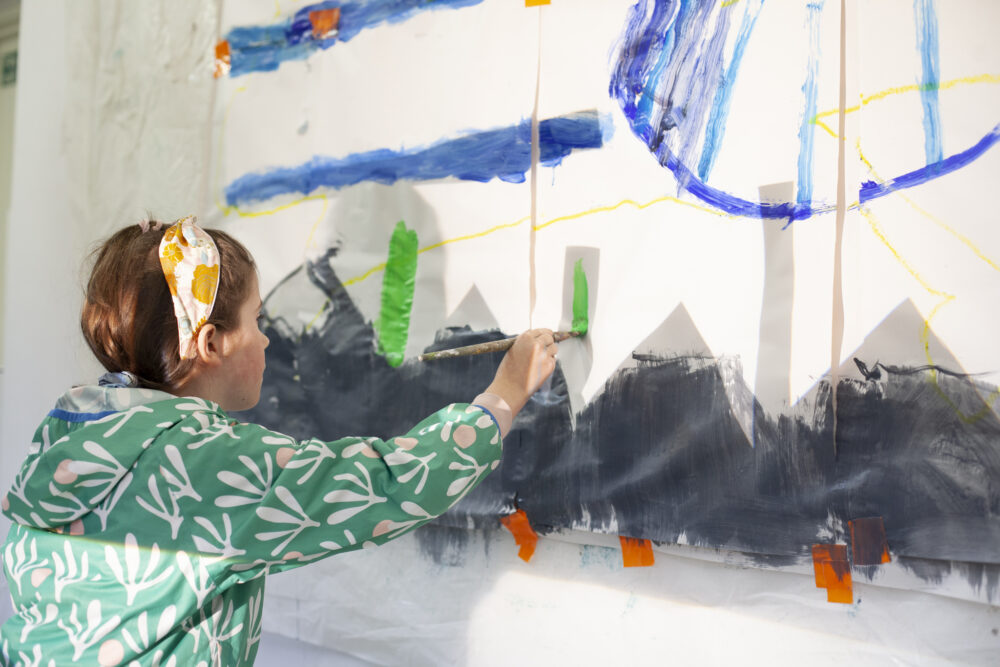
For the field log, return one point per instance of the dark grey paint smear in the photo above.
(660, 453)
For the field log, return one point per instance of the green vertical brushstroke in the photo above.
(580, 299)
(397, 294)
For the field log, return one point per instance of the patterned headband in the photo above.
(190, 261)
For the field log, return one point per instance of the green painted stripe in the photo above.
(580, 299)
(398, 282)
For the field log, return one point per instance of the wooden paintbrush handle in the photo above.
(501, 345)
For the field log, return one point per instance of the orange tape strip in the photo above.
(868, 543)
(223, 61)
(830, 552)
(524, 535)
(536, 3)
(324, 21)
(636, 553)
(833, 572)
(838, 581)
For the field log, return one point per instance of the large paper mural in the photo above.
(417, 175)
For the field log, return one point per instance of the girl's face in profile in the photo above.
(243, 357)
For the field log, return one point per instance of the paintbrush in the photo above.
(578, 327)
(501, 345)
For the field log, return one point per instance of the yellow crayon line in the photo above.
(469, 237)
(319, 219)
(637, 205)
(925, 335)
(367, 274)
(896, 90)
(877, 229)
(926, 331)
(563, 218)
(964, 240)
(271, 211)
(509, 225)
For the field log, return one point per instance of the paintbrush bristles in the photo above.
(501, 345)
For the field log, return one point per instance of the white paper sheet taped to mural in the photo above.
(660, 125)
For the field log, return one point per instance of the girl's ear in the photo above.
(208, 343)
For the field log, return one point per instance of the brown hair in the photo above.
(128, 316)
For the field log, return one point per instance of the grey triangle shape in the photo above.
(884, 344)
(472, 311)
(677, 336)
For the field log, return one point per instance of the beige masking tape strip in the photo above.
(534, 180)
(837, 319)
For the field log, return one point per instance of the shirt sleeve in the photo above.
(280, 503)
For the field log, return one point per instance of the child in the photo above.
(145, 518)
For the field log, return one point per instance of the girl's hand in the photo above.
(525, 367)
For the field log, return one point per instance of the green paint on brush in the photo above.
(398, 282)
(580, 299)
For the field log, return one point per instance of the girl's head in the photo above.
(128, 314)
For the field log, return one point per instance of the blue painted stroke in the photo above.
(872, 190)
(809, 90)
(730, 203)
(869, 190)
(644, 58)
(701, 77)
(264, 48)
(716, 125)
(664, 16)
(640, 53)
(504, 153)
(671, 66)
(927, 43)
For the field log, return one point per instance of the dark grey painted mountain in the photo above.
(660, 454)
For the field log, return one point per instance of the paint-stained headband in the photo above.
(190, 261)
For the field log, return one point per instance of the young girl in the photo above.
(145, 519)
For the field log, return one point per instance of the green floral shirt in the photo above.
(144, 523)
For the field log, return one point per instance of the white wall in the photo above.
(9, 25)
(39, 342)
(9, 19)
(77, 177)
(44, 352)
(106, 134)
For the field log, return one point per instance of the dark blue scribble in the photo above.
(716, 126)
(668, 68)
(872, 190)
(504, 153)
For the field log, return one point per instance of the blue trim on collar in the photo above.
(76, 417)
